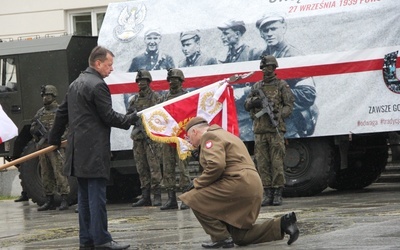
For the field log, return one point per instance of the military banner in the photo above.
(8, 129)
(165, 122)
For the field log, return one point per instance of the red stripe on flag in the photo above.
(286, 73)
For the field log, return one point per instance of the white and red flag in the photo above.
(165, 122)
(8, 129)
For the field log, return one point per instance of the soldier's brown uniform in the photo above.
(227, 195)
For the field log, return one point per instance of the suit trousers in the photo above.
(269, 230)
(93, 224)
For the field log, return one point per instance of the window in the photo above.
(8, 77)
(86, 22)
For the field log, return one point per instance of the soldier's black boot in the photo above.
(64, 202)
(289, 226)
(171, 202)
(184, 206)
(145, 200)
(157, 197)
(48, 205)
(268, 197)
(278, 196)
(23, 197)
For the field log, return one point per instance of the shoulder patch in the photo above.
(209, 144)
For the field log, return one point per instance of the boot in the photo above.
(145, 200)
(23, 197)
(289, 226)
(157, 197)
(184, 206)
(268, 197)
(48, 205)
(64, 202)
(171, 202)
(278, 196)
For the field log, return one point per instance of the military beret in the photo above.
(189, 34)
(233, 24)
(153, 31)
(267, 19)
(195, 121)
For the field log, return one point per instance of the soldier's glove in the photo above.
(133, 117)
(189, 187)
(255, 103)
(195, 154)
(54, 141)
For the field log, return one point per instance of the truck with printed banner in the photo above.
(338, 57)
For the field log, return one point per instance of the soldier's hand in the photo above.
(195, 154)
(255, 103)
(54, 141)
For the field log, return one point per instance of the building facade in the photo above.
(27, 19)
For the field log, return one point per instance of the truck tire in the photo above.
(125, 187)
(307, 165)
(367, 158)
(31, 177)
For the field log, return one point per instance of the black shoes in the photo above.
(112, 245)
(86, 247)
(184, 206)
(289, 226)
(23, 197)
(227, 243)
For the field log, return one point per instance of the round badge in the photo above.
(209, 144)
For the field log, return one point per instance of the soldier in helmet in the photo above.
(170, 156)
(269, 129)
(51, 163)
(144, 149)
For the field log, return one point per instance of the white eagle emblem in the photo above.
(130, 23)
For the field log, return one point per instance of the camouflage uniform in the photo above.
(170, 155)
(51, 163)
(269, 141)
(145, 150)
(171, 159)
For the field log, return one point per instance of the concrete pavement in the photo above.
(363, 219)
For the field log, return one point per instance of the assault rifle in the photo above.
(43, 134)
(42, 131)
(267, 108)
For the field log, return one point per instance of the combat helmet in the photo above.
(268, 60)
(175, 73)
(143, 74)
(48, 90)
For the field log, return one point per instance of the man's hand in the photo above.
(133, 117)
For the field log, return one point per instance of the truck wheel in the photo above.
(307, 164)
(125, 187)
(31, 177)
(367, 158)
